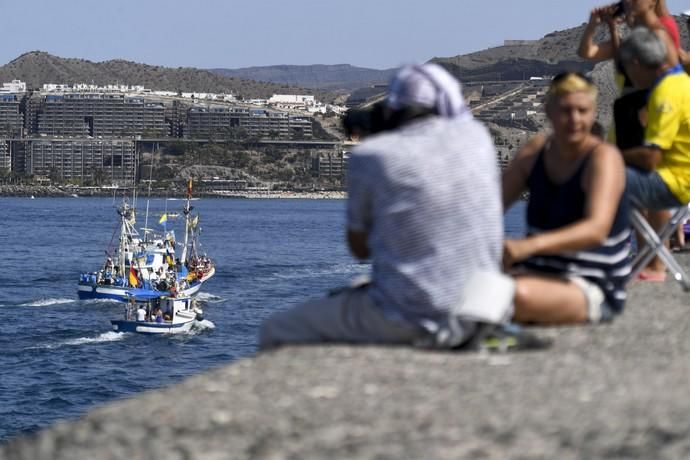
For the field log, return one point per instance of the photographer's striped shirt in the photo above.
(428, 196)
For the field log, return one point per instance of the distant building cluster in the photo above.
(89, 134)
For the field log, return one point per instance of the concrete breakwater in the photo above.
(612, 391)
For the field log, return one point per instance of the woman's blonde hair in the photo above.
(568, 83)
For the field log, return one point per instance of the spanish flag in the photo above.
(133, 278)
(189, 188)
(163, 219)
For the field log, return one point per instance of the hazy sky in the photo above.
(234, 33)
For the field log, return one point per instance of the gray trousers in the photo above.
(350, 316)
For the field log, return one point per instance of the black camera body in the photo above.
(362, 122)
(619, 10)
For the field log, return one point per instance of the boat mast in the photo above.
(148, 198)
(187, 209)
(123, 237)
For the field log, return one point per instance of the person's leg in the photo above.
(347, 317)
(549, 301)
(647, 190)
(657, 219)
(679, 237)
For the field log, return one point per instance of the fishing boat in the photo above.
(148, 312)
(200, 266)
(150, 261)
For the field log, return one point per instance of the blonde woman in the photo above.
(573, 264)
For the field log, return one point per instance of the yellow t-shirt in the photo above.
(668, 127)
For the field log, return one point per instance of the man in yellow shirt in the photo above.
(658, 173)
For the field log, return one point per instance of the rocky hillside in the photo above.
(340, 77)
(37, 68)
(549, 55)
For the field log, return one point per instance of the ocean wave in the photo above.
(339, 269)
(46, 302)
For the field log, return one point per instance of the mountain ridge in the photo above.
(332, 77)
(39, 67)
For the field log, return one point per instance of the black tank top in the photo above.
(553, 206)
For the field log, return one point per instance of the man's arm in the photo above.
(514, 178)
(357, 241)
(359, 213)
(643, 157)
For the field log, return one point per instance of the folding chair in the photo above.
(655, 244)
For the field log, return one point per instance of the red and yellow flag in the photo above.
(189, 188)
(133, 278)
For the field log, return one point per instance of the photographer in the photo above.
(627, 130)
(423, 205)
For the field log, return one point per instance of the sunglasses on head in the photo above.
(563, 75)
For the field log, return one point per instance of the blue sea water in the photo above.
(58, 356)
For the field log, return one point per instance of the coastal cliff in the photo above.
(610, 391)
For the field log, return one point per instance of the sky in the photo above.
(241, 33)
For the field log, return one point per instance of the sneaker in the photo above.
(505, 337)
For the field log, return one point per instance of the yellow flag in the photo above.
(164, 218)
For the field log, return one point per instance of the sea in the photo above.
(59, 357)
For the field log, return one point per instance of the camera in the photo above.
(362, 122)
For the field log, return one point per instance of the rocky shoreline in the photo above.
(56, 191)
(33, 190)
(616, 391)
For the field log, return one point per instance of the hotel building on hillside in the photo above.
(111, 161)
(206, 122)
(87, 114)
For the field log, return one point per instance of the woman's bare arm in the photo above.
(604, 184)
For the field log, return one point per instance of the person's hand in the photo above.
(595, 16)
(603, 14)
(515, 251)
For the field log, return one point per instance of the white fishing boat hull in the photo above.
(88, 291)
(182, 315)
(148, 327)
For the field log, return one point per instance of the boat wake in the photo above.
(100, 301)
(46, 302)
(201, 326)
(110, 336)
(208, 298)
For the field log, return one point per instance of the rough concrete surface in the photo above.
(616, 391)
